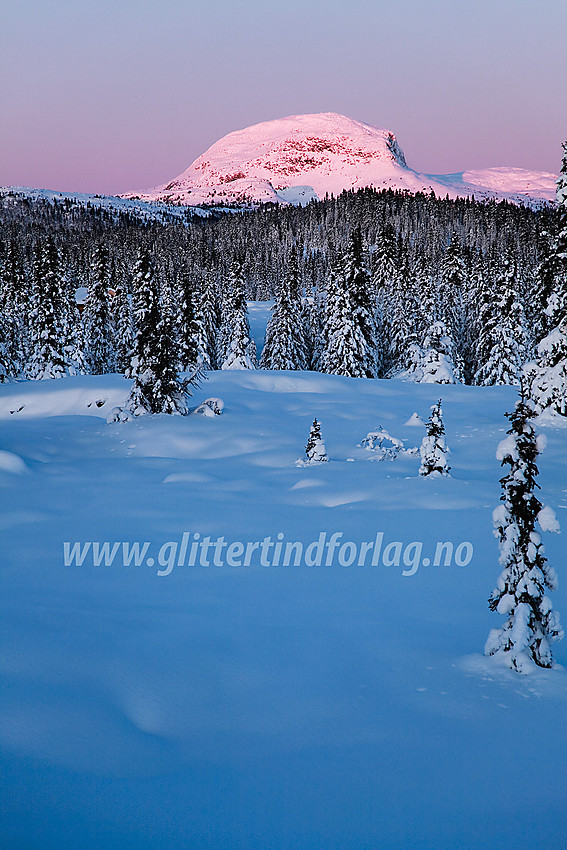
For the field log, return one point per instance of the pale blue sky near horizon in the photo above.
(111, 95)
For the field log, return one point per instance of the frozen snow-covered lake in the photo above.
(254, 707)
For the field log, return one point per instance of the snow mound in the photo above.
(415, 420)
(13, 463)
(383, 444)
(211, 407)
(119, 414)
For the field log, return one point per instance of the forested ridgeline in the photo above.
(367, 284)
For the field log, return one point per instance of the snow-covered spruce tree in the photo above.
(204, 345)
(47, 317)
(384, 260)
(239, 348)
(527, 296)
(74, 343)
(500, 349)
(314, 318)
(547, 377)
(403, 312)
(310, 328)
(98, 328)
(556, 307)
(156, 386)
(561, 199)
(359, 287)
(13, 294)
(424, 300)
(188, 330)
(72, 326)
(208, 319)
(14, 307)
(384, 272)
(6, 365)
(483, 317)
(550, 290)
(123, 329)
(433, 450)
(345, 346)
(285, 346)
(438, 362)
(532, 624)
(315, 449)
(452, 280)
(477, 305)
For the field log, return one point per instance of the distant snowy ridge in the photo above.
(144, 210)
(295, 159)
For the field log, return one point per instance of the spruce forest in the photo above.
(368, 284)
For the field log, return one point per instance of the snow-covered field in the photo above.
(265, 706)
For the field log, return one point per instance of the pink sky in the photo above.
(110, 96)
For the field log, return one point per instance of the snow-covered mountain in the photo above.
(301, 157)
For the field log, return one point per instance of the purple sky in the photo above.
(112, 95)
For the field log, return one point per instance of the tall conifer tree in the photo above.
(532, 624)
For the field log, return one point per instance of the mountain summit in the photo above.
(302, 157)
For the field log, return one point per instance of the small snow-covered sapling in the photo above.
(315, 448)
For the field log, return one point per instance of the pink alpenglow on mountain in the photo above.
(302, 157)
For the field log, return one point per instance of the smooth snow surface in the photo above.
(266, 707)
(301, 157)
